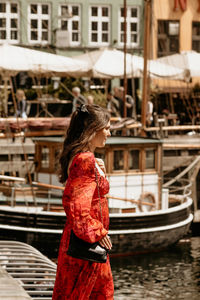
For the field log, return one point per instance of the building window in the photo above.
(196, 36)
(9, 22)
(132, 26)
(70, 21)
(168, 37)
(99, 25)
(39, 23)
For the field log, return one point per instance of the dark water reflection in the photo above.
(172, 274)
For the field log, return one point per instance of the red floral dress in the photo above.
(78, 279)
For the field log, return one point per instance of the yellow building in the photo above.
(175, 28)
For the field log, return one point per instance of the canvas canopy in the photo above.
(109, 63)
(188, 61)
(14, 59)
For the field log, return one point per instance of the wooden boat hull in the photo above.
(130, 232)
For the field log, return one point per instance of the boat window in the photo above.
(57, 156)
(118, 160)
(133, 160)
(150, 159)
(45, 157)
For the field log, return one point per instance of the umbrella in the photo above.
(109, 63)
(14, 59)
(188, 61)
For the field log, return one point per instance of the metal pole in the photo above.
(145, 76)
(125, 50)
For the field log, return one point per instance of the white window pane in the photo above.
(173, 28)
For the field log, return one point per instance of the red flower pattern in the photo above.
(77, 279)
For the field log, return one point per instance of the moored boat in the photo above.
(144, 214)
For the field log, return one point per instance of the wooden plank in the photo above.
(180, 146)
(10, 289)
(197, 216)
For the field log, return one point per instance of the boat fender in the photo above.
(146, 197)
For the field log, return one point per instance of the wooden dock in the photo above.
(10, 289)
(25, 273)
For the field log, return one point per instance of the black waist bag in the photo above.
(87, 251)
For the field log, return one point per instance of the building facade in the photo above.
(71, 27)
(175, 26)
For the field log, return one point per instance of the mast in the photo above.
(147, 10)
(125, 51)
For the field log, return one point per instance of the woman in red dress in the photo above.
(78, 279)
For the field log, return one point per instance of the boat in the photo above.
(145, 213)
(148, 212)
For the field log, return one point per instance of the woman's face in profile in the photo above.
(100, 137)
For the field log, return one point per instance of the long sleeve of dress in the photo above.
(80, 194)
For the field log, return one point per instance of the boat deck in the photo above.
(25, 273)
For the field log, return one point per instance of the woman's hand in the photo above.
(106, 242)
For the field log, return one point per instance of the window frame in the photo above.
(166, 37)
(142, 160)
(195, 38)
(8, 15)
(129, 19)
(39, 17)
(99, 19)
(70, 21)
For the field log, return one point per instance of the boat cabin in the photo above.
(133, 165)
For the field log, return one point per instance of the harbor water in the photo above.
(171, 274)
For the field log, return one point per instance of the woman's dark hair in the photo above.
(85, 122)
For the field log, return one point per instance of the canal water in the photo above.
(171, 274)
